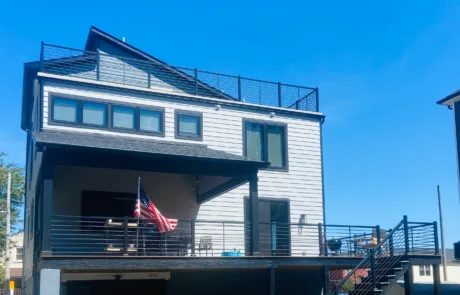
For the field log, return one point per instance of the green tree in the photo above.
(17, 201)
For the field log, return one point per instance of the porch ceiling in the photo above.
(217, 171)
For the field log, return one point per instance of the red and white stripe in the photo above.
(151, 212)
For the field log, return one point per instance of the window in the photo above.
(94, 114)
(424, 270)
(65, 110)
(266, 142)
(189, 125)
(97, 114)
(151, 121)
(19, 253)
(123, 117)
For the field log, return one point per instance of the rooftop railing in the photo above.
(154, 74)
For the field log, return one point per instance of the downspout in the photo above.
(322, 168)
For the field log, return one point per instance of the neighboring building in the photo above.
(424, 273)
(238, 161)
(16, 254)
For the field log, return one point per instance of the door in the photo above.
(107, 204)
(274, 227)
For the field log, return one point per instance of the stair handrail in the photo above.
(367, 258)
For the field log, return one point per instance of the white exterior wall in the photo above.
(453, 274)
(223, 130)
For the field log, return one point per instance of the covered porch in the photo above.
(89, 190)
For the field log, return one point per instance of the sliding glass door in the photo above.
(274, 227)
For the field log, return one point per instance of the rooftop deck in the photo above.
(153, 74)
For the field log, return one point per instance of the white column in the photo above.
(50, 281)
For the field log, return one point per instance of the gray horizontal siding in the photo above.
(222, 130)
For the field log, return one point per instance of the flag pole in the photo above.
(138, 203)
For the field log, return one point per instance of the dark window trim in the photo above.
(109, 120)
(266, 123)
(80, 111)
(176, 125)
(112, 106)
(51, 114)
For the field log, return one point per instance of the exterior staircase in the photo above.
(387, 262)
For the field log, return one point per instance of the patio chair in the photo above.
(205, 244)
(372, 243)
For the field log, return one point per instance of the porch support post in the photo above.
(50, 281)
(254, 201)
(326, 280)
(409, 281)
(436, 279)
(272, 280)
(47, 173)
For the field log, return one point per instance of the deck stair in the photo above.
(386, 263)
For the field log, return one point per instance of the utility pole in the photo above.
(8, 229)
(443, 247)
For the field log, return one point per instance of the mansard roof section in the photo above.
(116, 53)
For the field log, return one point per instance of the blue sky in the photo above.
(380, 68)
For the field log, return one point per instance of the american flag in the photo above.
(146, 209)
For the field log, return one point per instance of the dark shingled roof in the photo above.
(147, 146)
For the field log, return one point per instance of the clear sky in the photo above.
(380, 67)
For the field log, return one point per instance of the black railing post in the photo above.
(436, 238)
(373, 270)
(406, 235)
(320, 237)
(390, 240)
(239, 87)
(125, 235)
(192, 240)
(42, 55)
(148, 76)
(98, 65)
(196, 80)
(279, 94)
(377, 235)
(317, 99)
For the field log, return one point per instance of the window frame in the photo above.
(109, 118)
(177, 113)
(51, 114)
(162, 120)
(80, 109)
(424, 270)
(112, 107)
(265, 125)
(22, 254)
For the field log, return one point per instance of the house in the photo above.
(237, 161)
(16, 255)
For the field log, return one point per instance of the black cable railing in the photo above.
(159, 76)
(385, 258)
(77, 235)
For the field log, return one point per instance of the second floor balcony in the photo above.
(153, 74)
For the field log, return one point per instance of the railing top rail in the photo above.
(220, 221)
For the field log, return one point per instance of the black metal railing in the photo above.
(123, 70)
(76, 235)
(406, 238)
